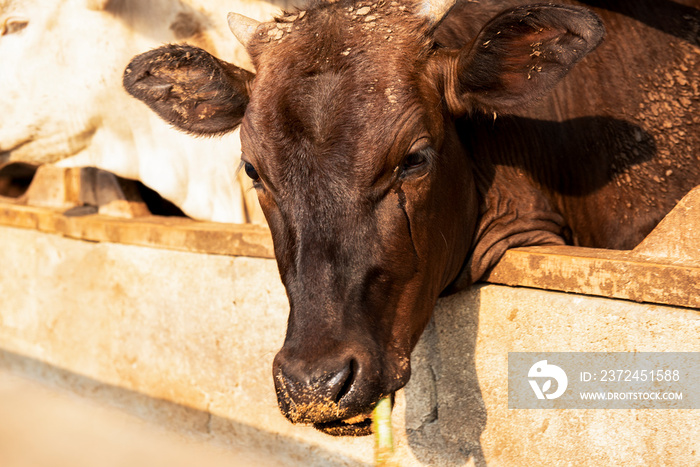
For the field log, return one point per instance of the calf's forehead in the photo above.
(338, 79)
(333, 25)
(361, 42)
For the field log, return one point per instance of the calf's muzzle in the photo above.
(335, 391)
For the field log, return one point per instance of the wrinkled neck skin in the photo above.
(513, 209)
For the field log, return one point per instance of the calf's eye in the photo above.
(251, 172)
(414, 160)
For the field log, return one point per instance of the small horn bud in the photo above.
(242, 27)
(97, 5)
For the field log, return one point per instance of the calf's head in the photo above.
(348, 133)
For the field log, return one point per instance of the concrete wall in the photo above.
(187, 340)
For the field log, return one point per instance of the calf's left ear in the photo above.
(520, 55)
(189, 88)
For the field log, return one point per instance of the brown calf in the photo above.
(398, 150)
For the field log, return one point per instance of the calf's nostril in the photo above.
(345, 378)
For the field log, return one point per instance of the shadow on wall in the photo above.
(445, 411)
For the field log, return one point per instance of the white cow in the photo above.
(62, 101)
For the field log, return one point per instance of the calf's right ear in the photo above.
(189, 88)
(520, 55)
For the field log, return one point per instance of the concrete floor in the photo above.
(49, 427)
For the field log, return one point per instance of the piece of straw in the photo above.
(383, 436)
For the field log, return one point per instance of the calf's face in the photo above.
(347, 157)
(347, 130)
